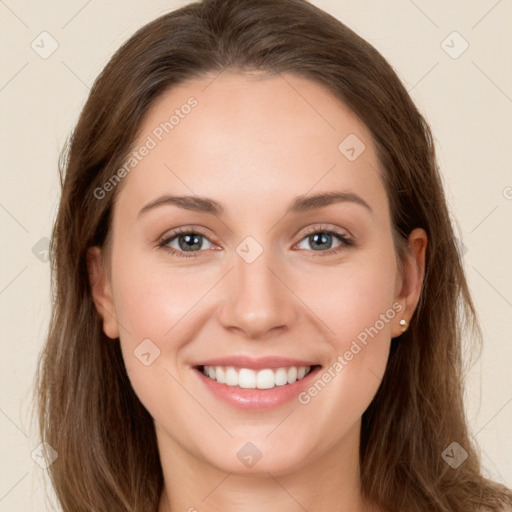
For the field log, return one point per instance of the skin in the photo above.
(253, 144)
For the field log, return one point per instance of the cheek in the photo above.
(351, 297)
(157, 323)
(356, 304)
(160, 309)
(359, 304)
(153, 299)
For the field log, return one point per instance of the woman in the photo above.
(259, 299)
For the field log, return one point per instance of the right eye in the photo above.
(183, 241)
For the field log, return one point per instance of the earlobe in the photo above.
(101, 291)
(412, 281)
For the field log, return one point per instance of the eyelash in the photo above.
(344, 239)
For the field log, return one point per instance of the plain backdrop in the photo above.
(454, 58)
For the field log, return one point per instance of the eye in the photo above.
(187, 243)
(327, 241)
(181, 242)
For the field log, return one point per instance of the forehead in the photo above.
(251, 138)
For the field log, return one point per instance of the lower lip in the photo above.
(257, 399)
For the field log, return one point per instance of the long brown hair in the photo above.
(107, 452)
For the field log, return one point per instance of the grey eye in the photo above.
(322, 240)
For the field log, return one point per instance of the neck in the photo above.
(329, 482)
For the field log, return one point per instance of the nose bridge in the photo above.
(256, 301)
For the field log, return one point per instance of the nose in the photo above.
(256, 298)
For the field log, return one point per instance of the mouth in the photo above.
(248, 378)
(256, 385)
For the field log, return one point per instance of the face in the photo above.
(223, 262)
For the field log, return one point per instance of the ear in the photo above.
(102, 291)
(409, 284)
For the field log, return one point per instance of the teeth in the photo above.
(219, 375)
(265, 379)
(251, 379)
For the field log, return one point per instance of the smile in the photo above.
(247, 378)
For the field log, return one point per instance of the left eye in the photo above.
(323, 240)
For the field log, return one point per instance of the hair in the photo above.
(88, 412)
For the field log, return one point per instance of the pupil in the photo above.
(191, 242)
(319, 238)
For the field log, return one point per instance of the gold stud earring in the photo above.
(403, 323)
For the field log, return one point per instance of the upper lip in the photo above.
(255, 363)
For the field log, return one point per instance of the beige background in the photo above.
(467, 100)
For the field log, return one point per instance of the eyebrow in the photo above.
(298, 205)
